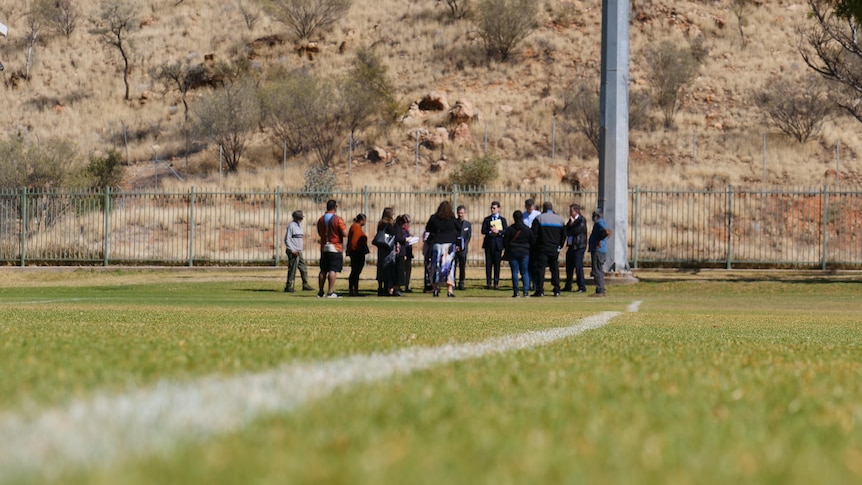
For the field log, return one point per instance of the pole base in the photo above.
(620, 278)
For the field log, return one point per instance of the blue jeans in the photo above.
(520, 263)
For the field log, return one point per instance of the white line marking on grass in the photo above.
(39, 302)
(634, 306)
(106, 428)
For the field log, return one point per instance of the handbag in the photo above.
(383, 240)
(505, 255)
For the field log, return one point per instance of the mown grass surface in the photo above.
(710, 382)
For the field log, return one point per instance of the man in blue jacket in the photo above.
(550, 232)
(599, 250)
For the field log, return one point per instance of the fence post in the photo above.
(823, 201)
(191, 226)
(107, 208)
(365, 201)
(24, 211)
(278, 219)
(454, 195)
(729, 225)
(637, 214)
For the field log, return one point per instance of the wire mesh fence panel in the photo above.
(676, 227)
(780, 227)
(843, 228)
(10, 226)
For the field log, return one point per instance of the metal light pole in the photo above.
(613, 133)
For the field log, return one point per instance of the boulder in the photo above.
(462, 136)
(462, 112)
(378, 154)
(431, 139)
(414, 115)
(434, 101)
(437, 166)
(581, 178)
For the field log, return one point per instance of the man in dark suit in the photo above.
(492, 228)
(463, 245)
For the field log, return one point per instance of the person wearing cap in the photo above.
(598, 247)
(293, 241)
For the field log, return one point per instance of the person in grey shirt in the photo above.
(293, 240)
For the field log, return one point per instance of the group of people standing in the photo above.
(531, 244)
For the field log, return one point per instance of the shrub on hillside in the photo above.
(36, 165)
(458, 9)
(477, 172)
(306, 17)
(503, 24)
(105, 171)
(670, 67)
(796, 108)
(320, 183)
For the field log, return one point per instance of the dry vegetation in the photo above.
(76, 91)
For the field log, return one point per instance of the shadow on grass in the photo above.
(807, 277)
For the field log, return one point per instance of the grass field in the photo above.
(715, 378)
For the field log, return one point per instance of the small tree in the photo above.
(305, 112)
(105, 171)
(249, 15)
(305, 17)
(477, 172)
(41, 165)
(796, 108)
(670, 67)
(229, 115)
(63, 16)
(503, 24)
(320, 183)
(741, 8)
(366, 92)
(458, 9)
(581, 110)
(829, 46)
(36, 21)
(116, 20)
(181, 76)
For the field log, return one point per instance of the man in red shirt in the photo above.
(332, 230)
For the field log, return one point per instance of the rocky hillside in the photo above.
(460, 102)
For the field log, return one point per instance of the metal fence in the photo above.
(811, 228)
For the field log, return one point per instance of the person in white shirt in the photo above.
(293, 240)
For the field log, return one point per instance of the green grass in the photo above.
(710, 382)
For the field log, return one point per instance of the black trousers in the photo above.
(575, 268)
(461, 265)
(493, 257)
(552, 260)
(357, 263)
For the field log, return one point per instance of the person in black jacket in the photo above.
(550, 232)
(387, 260)
(443, 231)
(518, 241)
(493, 227)
(463, 245)
(576, 244)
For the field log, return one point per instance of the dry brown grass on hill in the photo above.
(76, 92)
